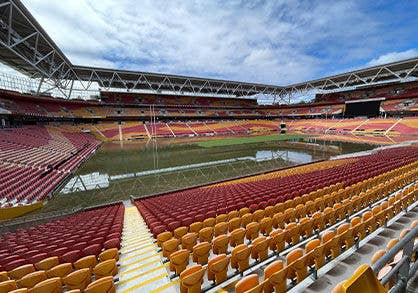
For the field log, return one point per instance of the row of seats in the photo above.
(285, 226)
(170, 211)
(298, 264)
(390, 265)
(179, 259)
(35, 159)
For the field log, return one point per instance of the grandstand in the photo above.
(345, 222)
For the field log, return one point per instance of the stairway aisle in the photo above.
(141, 267)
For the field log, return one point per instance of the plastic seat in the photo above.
(315, 254)
(252, 230)
(221, 218)
(103, 285)
(206, 234)
(233, 214)
(293, 236)
(188, 241)
(269, 270)
(258, 215)
(179, 261)
(7, 286)
(111, 253)
(392, 243)
(377, 255)
(93, 249)
(47, 263)
(305, 227)
(260, 249)
(191, 279)
(346, 233)
(278, 281)
(60, 271)
(78, 279)
(163, 237)
(240, 257)
(218, 268)
(105, 268)
(237, 237)
(247, 284)
(233, 224)
(3, 276)
(278, 240)
(246, 219)
(71, 256)
(180, 232)
(30, 280)
(52, 285)
(209, 222)
(266, 225)
(220, 244)
(318, 221)
(363, 280)
(201, 252)
(170, 246)
(331, 244)
(278, 220)
(296, 263)
(220, 229)
(195, 227)
(86, 262)
(21, 271)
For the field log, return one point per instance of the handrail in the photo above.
(402, 268)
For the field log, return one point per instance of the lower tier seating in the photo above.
(77, 252)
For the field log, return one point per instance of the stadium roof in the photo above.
(26, 47)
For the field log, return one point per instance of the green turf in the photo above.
(243, 140)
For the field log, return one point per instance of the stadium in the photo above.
(115, 180)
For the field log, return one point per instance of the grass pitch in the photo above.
(244, 140)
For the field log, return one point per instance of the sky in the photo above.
(272, 42)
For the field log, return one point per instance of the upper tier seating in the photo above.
(35, 159)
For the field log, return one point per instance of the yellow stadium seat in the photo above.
(233, 224)
(246, 219)
(105, 268)
(180, 232)
(111, 253)
(78, 279)
(266, 225)
(209, 222)
(61, 270)
(201, 252)
(30, 280)
(189, 240)
(179, 261)
(237, 237)
(195, 227)
(163, 237)
(7, 286)
(258, 215)
(269, 270)
(247, 283)
(363, 280)
(52, 285)
(218, 268)
(252, 230)
(278, 280)
(47, 263)
(220, 228)
(191, 279)
(296, 263)
(240, 257)
(260, 249)
(278, 220)
(170, 246)
(278, 240)
(378, 254)
(88, 261)
(221, 218)
(3, 276)
(293, 236)
(233, 214)
(21, 271)
(103, 285)
(220, 244)
(206, 234)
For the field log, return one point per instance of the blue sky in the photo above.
(274, 42)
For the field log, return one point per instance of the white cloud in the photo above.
(393, 57)
(273, 41)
